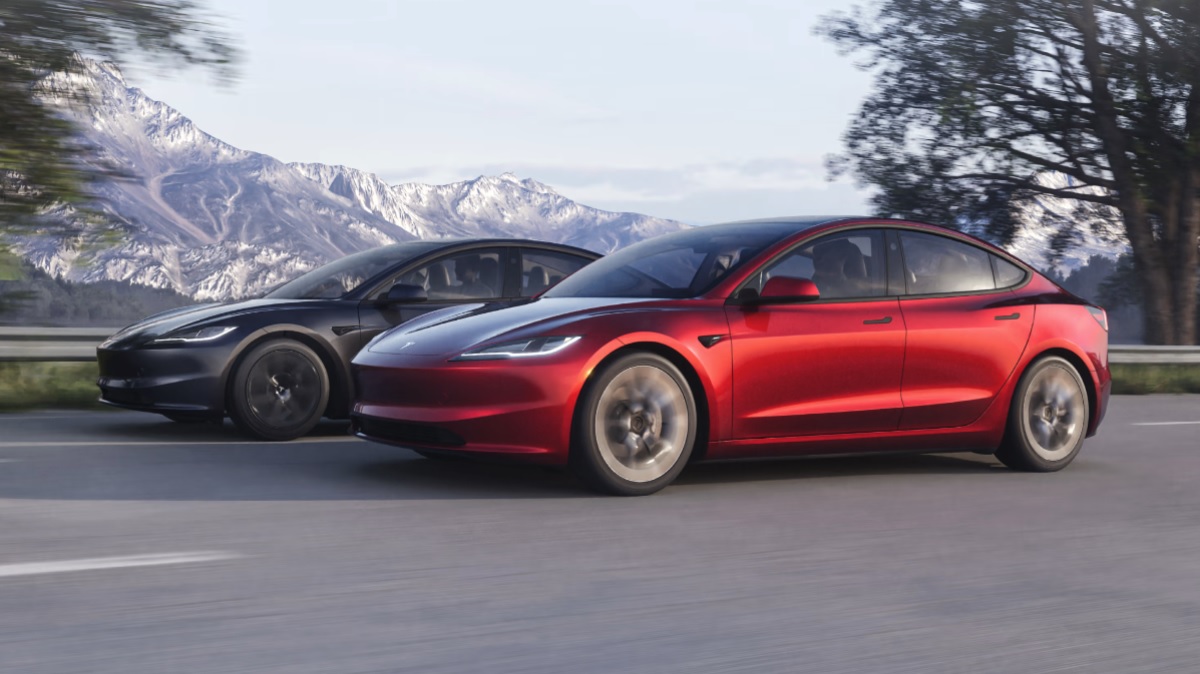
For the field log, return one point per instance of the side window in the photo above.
(936, 264)
(472, 275)
(1007, 273)
(541, 269)
(843, 266)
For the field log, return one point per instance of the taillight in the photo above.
(1100, 315)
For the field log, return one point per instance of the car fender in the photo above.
(340, 381)
(714, 359)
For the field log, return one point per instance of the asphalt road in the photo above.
(129, 544)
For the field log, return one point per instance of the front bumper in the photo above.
(185, 380)
(500, 408)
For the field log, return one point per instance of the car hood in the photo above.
(169, 321)
(460, 332)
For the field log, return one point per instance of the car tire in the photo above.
(635, 427)
(1048, 418)
(278, 391)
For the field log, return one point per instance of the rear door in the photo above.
(964, 338)
(540, 269)
(832, 366)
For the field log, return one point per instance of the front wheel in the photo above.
(279, 390)
(1048, 418)
(636, 426)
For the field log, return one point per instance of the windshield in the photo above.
(343, 276)
(682, 264)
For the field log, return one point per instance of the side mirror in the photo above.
(788, 290)
(406, 292)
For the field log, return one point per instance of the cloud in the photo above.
(696, 193)
(650, 183)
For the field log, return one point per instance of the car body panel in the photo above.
(948, 380)
(816, 368)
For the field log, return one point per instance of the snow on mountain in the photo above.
(1034, 243)
(216, 222)
(209, 220)
(503, 206)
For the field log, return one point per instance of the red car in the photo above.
(755, 339)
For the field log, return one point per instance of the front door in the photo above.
(827, 367)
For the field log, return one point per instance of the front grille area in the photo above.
(122, 396)
(401, 432)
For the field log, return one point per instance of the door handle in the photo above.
(1010, 317)
(878, 321)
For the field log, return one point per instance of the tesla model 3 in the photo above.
(276, 365)
(755, 339)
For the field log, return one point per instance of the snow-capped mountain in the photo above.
(503, 206)
(1035, 242)
(216, 222)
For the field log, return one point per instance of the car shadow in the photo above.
(135, 458)
(358, 471)
(826, 467)
(138, 430)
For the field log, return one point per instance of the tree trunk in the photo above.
(1157, 305)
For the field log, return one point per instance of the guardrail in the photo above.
(51, 344)
(79, 344)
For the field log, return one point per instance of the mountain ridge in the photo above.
(216, 222)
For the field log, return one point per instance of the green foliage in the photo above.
(47, 385)
(975, 102)
(43, 165)
(1139, 379)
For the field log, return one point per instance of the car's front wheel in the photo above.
(1048, 418)
(636, 426)
(279, 390)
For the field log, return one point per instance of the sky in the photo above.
(698, 111)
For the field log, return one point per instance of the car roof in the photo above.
(442, 244)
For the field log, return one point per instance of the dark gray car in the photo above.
(276, 365)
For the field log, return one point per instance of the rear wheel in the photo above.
(1048, 418)
(636, 426)
(279, 390)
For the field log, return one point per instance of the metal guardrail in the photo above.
(79, 344)
(1153, 355)
(51, 344)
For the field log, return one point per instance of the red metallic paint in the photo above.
(816, 369)
(960, 352)
(790, 289)
(794, 379)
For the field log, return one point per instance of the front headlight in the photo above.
(207, 334)
(523, 348)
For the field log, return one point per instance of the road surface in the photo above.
(131, 545)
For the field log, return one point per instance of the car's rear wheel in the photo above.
(279, 390)
(1048, 418)
(636, 426)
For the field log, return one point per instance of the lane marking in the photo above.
(1166, 423)
(96, 563)
(168, 443)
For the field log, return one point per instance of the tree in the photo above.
(976, 101)
(42, 163)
